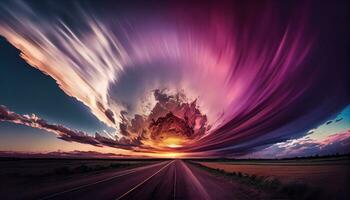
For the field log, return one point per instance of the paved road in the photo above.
(174, 179)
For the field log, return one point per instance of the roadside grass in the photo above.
(80, 169)
(293, 190)
(65, 170)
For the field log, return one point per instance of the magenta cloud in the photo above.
(216, 78)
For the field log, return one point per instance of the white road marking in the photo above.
(195, 182)
(174, 197)
(132, 189)
(94, 183)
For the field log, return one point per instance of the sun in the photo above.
(173, 142)
(171, 155)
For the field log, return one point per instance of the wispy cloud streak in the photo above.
(259, 74)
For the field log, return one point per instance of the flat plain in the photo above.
(330, 175)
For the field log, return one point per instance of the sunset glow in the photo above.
(169, 100)
(224, 86)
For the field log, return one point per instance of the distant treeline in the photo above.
(77, 158)
(316, 156)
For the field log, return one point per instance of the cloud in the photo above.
(246, 84)
(110, 115)
(332, 144)
(65, 133)
(59, 154)
(171, 117)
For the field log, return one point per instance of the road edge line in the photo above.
(138, 185)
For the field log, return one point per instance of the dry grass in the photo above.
(330, 176)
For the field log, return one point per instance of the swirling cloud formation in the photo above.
(204, 79)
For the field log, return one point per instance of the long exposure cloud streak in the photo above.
(243, 78)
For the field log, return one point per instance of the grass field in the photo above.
(44, 167)
(329, 175)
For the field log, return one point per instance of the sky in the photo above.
(162, 79)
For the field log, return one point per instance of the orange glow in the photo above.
(170, 155)
(173, 142)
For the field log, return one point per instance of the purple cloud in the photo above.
(65, 133)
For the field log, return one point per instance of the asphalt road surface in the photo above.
(174, 179)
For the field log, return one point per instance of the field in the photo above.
(329, 175)
(44, 167)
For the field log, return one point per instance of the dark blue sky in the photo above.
(261, 73)
(26, 90)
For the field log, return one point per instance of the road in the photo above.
(174, 179)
